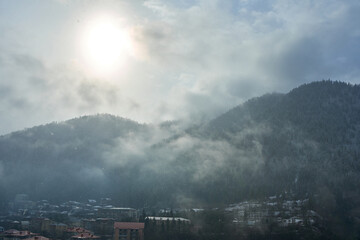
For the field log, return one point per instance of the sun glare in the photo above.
(106, 45)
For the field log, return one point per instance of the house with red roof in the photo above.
(73, 231)
(85, 236)
(13, 234)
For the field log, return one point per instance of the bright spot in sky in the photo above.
(106, 46)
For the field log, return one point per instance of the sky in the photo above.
(156, 60)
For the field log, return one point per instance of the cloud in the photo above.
(1, 171)
(180, 163)
(27, 62)
(5, 91)
(91, 173)
(192, 59)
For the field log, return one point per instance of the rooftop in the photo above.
(129, 225)
(85, 235)
(77, 230)
(16, 233)
(37, 238)
(168, 218)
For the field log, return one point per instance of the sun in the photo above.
(106, 45)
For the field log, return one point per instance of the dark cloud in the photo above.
(39, 83)
(5, 91)
(28, 62)
(243, 88)
(20, 104)
(88, 94)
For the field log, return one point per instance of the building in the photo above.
(37, 238)
(73, 231)
(57, 230)
(170, 224)
(159, 220)
(128, 231)
(14, 234)
(119, 214)
(40, 225)
(85, 236)
(103, 227)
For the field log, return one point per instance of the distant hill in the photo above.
(61, 160)
(306, 142)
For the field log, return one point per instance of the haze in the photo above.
(181, 60)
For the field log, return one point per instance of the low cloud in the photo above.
(1, 171)
(157, 156)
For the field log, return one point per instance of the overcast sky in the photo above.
(183, 60)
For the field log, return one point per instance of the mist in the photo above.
(215, 112)
(197, 58)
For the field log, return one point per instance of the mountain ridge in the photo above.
(306, 141)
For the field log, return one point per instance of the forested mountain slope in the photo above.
(306, 141)
(61, 160)
(310, 137)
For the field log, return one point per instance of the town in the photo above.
(101, 220)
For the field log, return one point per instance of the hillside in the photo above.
(306, 142)
(308, 137)
(61, 160)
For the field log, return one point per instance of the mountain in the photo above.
(309, 137)
(305, 142)
(61, 160)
